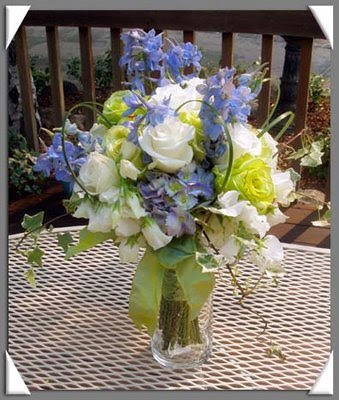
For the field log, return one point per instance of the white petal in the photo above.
(127, 227)
(128, 170)
(155, 237)
(127, 253)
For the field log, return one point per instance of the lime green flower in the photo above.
(192, 118)
(251, 177)
(114, 139)
(114, 107)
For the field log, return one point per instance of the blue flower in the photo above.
(179, 223)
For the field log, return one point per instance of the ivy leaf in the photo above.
(208, 262)
(88, 239)
(34, 257)
(65, 240)
(32, 222)
(30, 276)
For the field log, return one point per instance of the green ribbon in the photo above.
(147, 286)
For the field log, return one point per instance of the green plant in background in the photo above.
(74, 68)
(22, 179)
(41, 77)
(317, 88)
(102, 69)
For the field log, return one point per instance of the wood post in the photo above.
(116, 49)
(26, 92)
(227, 50)
(265, 94)
(57, 86)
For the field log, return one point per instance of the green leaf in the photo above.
(176, 251)
(65, 240)
(34, 256)
(30, 276)
(196, 284)
(146, 292)
(87, 240)
(32, 222)
(208, 262)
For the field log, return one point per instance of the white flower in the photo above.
(179, 94)
(244, 140)
(99, 218)
(98, 174)
(128, 150)
(253, 221)
(167, 144)
(129, 252)
(283, 186)
(128, 170)
(270, 255)
(133, 202)
(127, 227)
(97, 130)
(230, 249)
(269, 149)
(219, 230)
(110, 196)
(230, 205)
(276, 217)
(154, 235)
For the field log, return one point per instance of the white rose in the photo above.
(179, 94)
(244, 140)
(154, 235)
(128, 170)
(270, 255)
(253, 221)
(167, 144)
(99, 173)
(283, 186)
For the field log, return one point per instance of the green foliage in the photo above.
(32, 222)
(317, 88)
(41, 77)
(87, 240)
(22, 179)
(102, 69)
(64, 240)
(34, 257)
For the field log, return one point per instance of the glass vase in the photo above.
(179, 340)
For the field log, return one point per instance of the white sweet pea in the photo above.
(99, 173)
(154, 235)
(128, 170)
(97, 130)
(167, 144)
(230, 249)
(269, 149)
(99, 218)
(269, 255)
(253, 221)
(230, 205)
(128, 150)
(127, 227)
(128, 251)
(179, 94)
(276, 217)
(244, 140)
(136, 209)
(283, 186)
(110, 196)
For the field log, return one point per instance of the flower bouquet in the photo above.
(172, 170)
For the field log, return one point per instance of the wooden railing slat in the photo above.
(87, 71)
(189, 36)
(116, 49)
(57, 87)
(26, 91)
(265, 94)
(227, 49)
(303, 83)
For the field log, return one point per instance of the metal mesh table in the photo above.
(73, 331)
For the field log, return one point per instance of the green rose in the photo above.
(251, 176)
(197, 143)
(113, 109)
(113, 140)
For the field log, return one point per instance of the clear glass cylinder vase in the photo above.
(179, 340)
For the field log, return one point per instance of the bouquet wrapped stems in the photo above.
(175, 320)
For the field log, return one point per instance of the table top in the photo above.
(73, 331)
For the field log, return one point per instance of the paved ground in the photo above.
(298, 228)
(247, 47)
